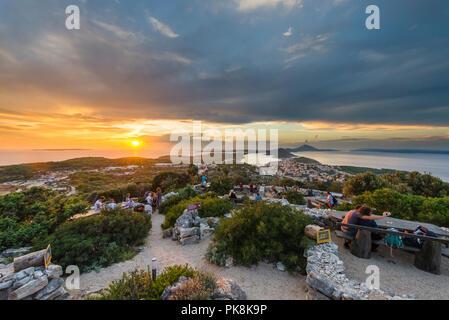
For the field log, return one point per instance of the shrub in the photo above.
(262, 231)
(408, 206)
(169, 180)
(345, 206)
(222, 185)
(98, 241)
(26, 217)
(211, 206)
(169, 203)
(138, 284)
(295, 197)
(363, 182)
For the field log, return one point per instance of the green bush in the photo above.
(211, 206)
(222, 185)
(138, 284)
(345, 206)
(98, 241)
(363, 182)
(26, 217)
(260, 231)
(169, 203)
(169, 180)
(295, 197)
(407, 206)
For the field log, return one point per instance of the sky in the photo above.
(138, 70)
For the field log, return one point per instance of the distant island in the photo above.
(402, 151)
(306, 148)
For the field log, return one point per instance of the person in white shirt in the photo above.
(99, 204)
(112, 205)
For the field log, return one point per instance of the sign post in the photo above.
(47, 256)
(323, 236)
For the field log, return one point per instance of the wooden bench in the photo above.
(427, 258)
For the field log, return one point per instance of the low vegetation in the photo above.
(28, 216)
(295, 197)
(413, 183)
(211, 206)
(98, 241)
(407, 206)
(138, 285)
(260, 231)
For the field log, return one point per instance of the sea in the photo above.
(435, 164)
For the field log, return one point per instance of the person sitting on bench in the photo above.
(346, 221)
(363, 217)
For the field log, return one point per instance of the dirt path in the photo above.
(259, 282)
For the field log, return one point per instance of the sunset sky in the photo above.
(137, 70)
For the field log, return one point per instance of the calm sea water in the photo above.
(436, 164)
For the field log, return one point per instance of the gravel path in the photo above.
(398, 274)
(263, 281)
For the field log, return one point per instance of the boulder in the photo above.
(206, 231)
(53, 271)
(311, 231)
(188, 232)
(32, 259)
(227, 289)
(9, 253)
(167, 233)
(168, 291)
(190, 240)
(52, 286)
(280, 266)
(29, 289)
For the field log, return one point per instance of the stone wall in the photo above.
(190, 228)
(326, 278)
(33, 282)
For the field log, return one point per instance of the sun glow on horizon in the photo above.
(136, 143)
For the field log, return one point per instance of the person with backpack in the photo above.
(331, 201)
(154, 203)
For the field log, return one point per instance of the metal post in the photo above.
(154, 269)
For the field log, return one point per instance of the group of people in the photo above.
(101, 204)
(362, 216)
(152, 198)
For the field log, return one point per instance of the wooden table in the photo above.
(399, 224)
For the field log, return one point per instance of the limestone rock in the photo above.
(54, 271)
(32, 259)
(227, 289)
(28, 289)
(52, 286)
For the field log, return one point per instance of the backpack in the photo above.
(393, 240)
(335, 201)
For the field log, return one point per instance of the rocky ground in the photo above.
(397, 273)
(263, 281)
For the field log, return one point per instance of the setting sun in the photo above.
(135, 143)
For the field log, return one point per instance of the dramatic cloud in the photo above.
(240, 62)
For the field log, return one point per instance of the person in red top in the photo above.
(251, 188)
